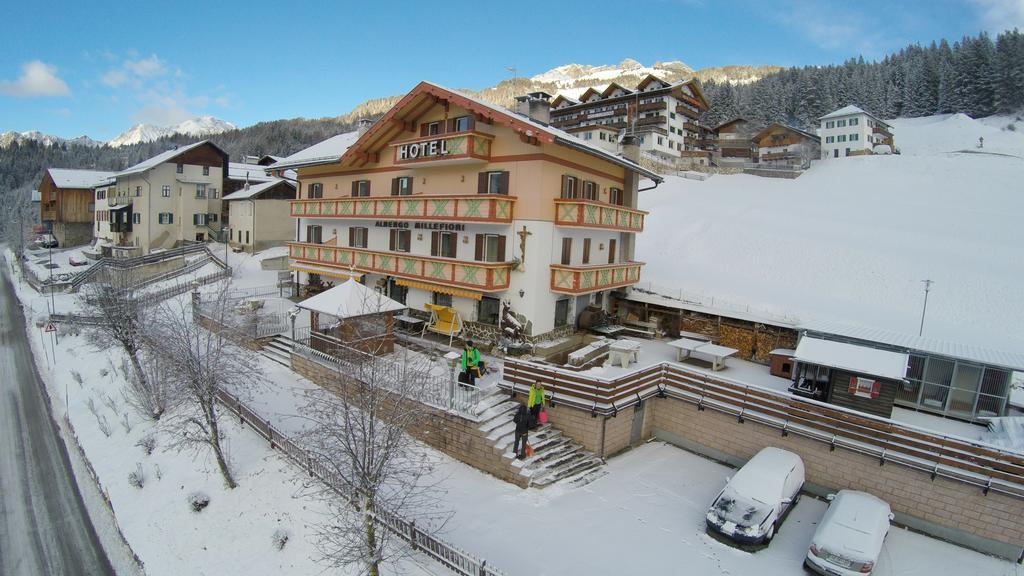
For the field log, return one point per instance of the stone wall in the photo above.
(454, 435)
(602, 435)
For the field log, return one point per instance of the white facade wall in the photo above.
(839, 137)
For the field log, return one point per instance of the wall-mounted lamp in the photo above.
(522, 292)
(465, 239)
(419, 237)
(424, 181)
(600, 246)
(462, 178)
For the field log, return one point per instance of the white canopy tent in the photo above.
(350, 300)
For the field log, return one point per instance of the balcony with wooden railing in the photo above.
(593, 277)
(651, 121)
(687, 111)
(692, 127)
(469, 275)
(486, 208)
(601, 215)
(654, 106)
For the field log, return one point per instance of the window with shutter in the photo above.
(443, 244)
(566, 251)
(586, 250)
(478, 252)
(315, 190)
(590, 190)
(569, 186)
(611, 251)
(401, 186)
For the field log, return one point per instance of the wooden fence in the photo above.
(976, 463)
(446, 554)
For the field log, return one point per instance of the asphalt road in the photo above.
(44, 528)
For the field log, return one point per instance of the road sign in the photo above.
(51, 326)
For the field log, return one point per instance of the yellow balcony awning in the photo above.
(439, 288)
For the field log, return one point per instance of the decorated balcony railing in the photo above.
(687, 111)
(467, 208)
(477, 276)
(594, 214)
(592, 278)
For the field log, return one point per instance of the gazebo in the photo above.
(351, 316)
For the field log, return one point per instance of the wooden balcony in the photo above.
(486, 208)
(592, 278)
(600, 215)
(691, 127)
(687, 111)
(653, 106)
(469, 275)
(651, 121)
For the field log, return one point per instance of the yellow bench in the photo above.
(444, 320)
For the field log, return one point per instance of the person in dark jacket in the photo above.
(522, 422)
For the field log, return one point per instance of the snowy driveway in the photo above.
(44, 528)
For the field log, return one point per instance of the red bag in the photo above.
(529, 451)
(543, 417)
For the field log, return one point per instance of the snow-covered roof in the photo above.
(325, 152)
(255, 189)
(70, 178)
(850, 110)
(987, 356)
(763, 476)
(561, 137)
(36, 196)
(860, 359)
(248, 172)
(160, 159)
(854, 526)
(349, 300)
(803, 133)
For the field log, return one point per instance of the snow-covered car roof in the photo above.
(854, 526)
(764, 476)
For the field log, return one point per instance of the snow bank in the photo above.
(851, 240)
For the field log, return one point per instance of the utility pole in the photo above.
(927, 287)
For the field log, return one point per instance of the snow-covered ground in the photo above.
(852, 239)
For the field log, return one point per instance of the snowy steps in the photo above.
(278, 349)
(556, 458)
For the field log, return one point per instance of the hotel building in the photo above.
(663, 116)
(452, 201)
(851, 131)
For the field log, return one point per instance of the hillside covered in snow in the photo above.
(851, 240)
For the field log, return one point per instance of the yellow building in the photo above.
(453, 201)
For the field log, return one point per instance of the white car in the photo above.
(752, 504)
(850, 535)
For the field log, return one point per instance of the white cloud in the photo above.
(832, 26)
(999, 15)
(159, 89)
(37, 79)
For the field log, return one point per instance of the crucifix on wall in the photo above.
(522, 247)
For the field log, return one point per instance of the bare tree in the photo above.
(360, 433)
(152, 395)
(203, 361)
(118, 316)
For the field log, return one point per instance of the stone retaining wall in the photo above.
(454, 435)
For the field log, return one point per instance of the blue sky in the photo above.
(71, 68)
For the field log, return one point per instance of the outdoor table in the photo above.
(623, 352)
(410, 323)
(688, 348)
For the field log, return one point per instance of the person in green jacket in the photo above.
(535, 402)
(471, 363)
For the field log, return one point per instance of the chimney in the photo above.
(631, 148)
(535, 106)
(363, 124)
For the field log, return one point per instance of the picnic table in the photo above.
(409, 324)
(623, 352)
(689, 348)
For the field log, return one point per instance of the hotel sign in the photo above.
(427, 149)
(420, 225)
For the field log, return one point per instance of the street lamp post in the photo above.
(927, 287)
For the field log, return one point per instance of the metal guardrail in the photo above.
(437, 549)
(128, 263)
(976, 463)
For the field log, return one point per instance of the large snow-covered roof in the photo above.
(987, 356)
(860, 359)
(160, 159)
(325, 152)
(850, 110)
(255, 189)
(69, 178)
(248, 172)
(349, 300)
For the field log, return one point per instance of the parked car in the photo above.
(751, 506)
(46, 241)
(850, 535)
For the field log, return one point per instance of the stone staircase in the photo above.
(556, 458)
(278, 349)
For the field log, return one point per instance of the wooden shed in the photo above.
(858, 377)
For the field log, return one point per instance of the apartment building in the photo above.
(732, 142)
(66, 203)
(781, 144)
(851, 131)
(453, 201)
(172, 197)
(259, 215)
(664, 117)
